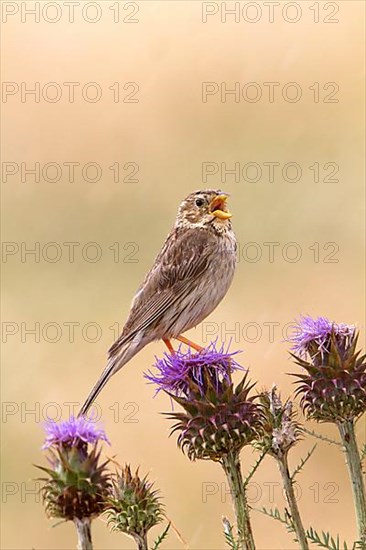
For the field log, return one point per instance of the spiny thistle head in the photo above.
(134, 506)
(77, 483)
(333, 387)
(280, 430)
(218, 417)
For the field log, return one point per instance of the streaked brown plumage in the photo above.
(189, 278)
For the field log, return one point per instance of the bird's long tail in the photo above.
(120, 354)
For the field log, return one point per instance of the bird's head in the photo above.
(205, 208)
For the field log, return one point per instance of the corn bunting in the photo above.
(189, 278)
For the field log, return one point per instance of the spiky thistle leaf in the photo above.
(161, 537)
(363, 453)
(322, 437)
(274, 513)
(229, 535)
(302, 463)
(325, 540)
(254, 469)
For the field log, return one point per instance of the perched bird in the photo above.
(189, 278)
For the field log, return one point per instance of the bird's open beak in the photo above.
(218, 207)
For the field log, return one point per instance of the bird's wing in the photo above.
(182, 260)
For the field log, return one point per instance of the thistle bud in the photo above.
(134, 506)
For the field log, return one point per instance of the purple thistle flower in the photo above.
(177, 372)
(70, 432)
(333, 386)
(313, 335)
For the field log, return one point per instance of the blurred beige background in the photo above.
(169, 133)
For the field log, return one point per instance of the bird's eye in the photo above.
(199, 202)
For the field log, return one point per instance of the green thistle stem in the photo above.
(141, 541)
(231, 465)
(347, 432)
(84, 533)
(292, 503)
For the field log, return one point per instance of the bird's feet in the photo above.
(185, 341)
(169, 345)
